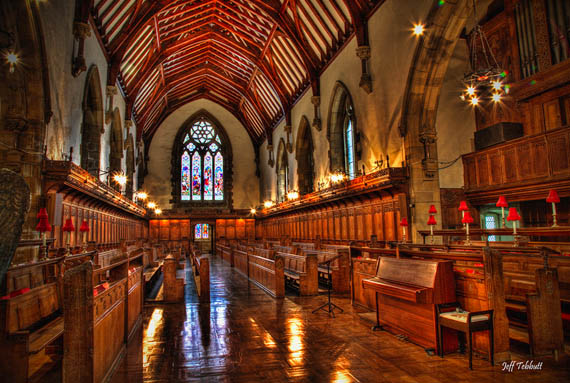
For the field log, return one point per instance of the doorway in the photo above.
(203, 237)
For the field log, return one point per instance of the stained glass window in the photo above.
(208, 177)
(196, 176)
(185, 177)
(202, 231)
(219, 177)
(349, 149)
(202, 164)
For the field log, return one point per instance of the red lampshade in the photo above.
(502, 202)
(43, 226)
(431, 221)
(84, 228)
(42, 213)
(467, 217)
(463, 206)
(432, 210)
(552, 196)
(513, 215)
(404, 222)
(68, 225)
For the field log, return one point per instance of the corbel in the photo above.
(428, 138)
(316, 101)
(288, 128)
(128, 125)
(111, 92)
(81, 30)
(363, 53)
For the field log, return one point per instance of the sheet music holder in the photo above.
(329, 307)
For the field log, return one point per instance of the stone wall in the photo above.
(158, 180)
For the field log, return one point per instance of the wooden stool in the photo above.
(466, 322)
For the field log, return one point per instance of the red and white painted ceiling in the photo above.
(253, 57)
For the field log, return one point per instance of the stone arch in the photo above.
(421, 98)
(282, 169)
(130, 166)
(177, 151)
(93, 123)
(304, 155)
(341, 111)
(116, 144)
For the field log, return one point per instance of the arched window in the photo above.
(342, 133)
(202, 163)
(92, 126)
(282, 172)
(304, 155)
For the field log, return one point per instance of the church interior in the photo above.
(284, 191)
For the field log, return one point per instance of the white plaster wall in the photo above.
(392, 47)
(455, 122)
(66, 91)
(245, 182)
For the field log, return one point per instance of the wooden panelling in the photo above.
(378, 216)
(524, 161)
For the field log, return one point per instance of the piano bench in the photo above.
(466, 322)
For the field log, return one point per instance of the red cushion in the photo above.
(19, 292)
(566, 316)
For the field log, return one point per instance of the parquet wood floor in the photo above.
(244, 335)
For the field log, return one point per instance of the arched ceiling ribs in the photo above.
(254, 57)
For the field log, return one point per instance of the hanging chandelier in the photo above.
(486, 79)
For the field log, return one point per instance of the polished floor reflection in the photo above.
(246, 336)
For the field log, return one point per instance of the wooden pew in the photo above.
(240, 258)
(265, 253)
(267, 273)
(30, 319)
(339, 269)
(301, 272)
(174, 280)
(135, 290)
(411, 289)
(201, 271)
(95, 321)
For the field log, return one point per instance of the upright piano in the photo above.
(407, 292)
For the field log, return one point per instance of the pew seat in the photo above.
(30, 323)
(45, 335)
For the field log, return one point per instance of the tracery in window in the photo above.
(202, 164)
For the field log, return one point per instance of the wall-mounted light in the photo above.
(157, 211)
(418, 29)
(336, 178)
(120, 178)
(292, 195)
(268, 204)
(12, 59)
(252, 211)
(151, 205)
(141, 195)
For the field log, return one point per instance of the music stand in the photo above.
(329, 306)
